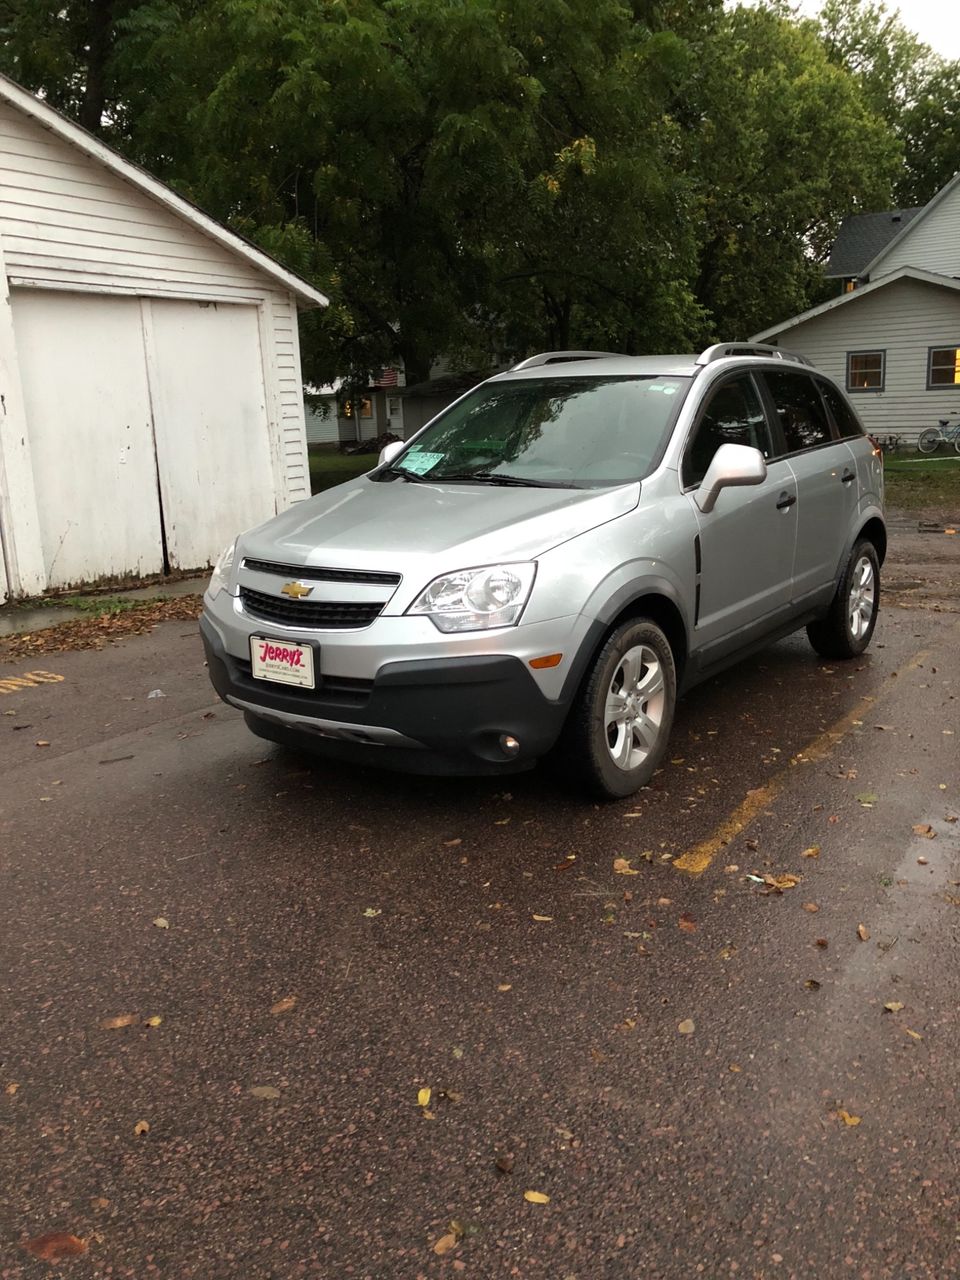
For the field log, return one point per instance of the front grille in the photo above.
(321, 615)
(321, 575)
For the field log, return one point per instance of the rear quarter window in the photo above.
(846, 421)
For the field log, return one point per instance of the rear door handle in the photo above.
(785, 500)
(848, 476)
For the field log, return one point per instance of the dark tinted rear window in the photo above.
(800, 410)
(843, 415)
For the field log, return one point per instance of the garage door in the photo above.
(148, 430)
(91, 435)
(213, 446)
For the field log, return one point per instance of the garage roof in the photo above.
(59, 124)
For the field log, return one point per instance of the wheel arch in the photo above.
(875, 531)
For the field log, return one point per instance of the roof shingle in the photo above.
(861, 238)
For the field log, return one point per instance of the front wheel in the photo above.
(846, 630)
(620, 725)
(929, 440)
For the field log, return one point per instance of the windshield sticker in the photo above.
(419, 463)
(665, 388)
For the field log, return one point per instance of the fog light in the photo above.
(508, 744)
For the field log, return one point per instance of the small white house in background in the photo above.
(892, 337)
(151, 401)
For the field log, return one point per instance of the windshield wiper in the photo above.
(391, 470)
(497, 477)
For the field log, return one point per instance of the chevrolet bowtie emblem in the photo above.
(295, 590)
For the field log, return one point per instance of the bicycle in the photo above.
(931, 439)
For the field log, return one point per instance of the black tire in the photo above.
(845, 631)
(590, 741)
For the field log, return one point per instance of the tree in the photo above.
(783, 147)
(930, 128)
(888, 61)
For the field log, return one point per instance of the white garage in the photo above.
(150, 391)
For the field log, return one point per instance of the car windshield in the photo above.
(564, 432)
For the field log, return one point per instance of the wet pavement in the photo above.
(700, 1074)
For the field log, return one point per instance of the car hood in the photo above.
(365, 524)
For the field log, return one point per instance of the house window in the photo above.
(943, 368)
(366, 408)
(866, 370)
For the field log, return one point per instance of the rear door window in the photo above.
(733, 415)
(800, 410)
(844, 418)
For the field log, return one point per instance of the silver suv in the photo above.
(551, 560)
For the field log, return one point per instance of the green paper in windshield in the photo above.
(418, 463)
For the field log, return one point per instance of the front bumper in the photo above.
(423, 715)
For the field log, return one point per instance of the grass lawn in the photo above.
(924, 484)
(329, 468)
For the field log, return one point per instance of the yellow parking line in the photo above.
(696, 860)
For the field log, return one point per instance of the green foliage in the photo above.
(930, 128)
(485, 178)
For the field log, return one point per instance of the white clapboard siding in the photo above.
(69, 222)
(932, 241)
(904, 319)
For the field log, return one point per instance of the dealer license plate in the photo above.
(282, 661)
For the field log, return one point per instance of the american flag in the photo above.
(387, 378)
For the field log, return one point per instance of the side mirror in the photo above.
(733, 464)
(389, 452)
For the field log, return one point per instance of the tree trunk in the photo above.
(99, 40)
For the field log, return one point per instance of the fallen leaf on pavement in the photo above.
(153, 1021)
(777, 884)
(113, 1024)
(140, 1128)
(687, 924)
(735, 1068)
(536, 1197)
(687, 1027)
(264, 1091)
(42, 742)
(506, 1162)
(822, 943)
(915, 1034)
(812, 907)
(55, 1246)
(812, 852)
(423, 1097)
(622, 867)
(923, 862)
(452, 844)
(450, 1240)
(664, 902)
(370, 912)
(284, 1005)
(847, 1118)
(867, 799)
(893, 1006)
(863, 933)
(812, 984)
(543, 919)
(733, 867)
(924, 829)
(11, 1089)
(505, 986)
(162, 922)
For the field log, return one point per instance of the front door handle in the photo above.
(785, 500)
(848, 476)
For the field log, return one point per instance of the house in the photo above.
(892, 337)
(150, 391)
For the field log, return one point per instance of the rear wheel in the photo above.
(620, 725)
(928, 440)
(846, 630)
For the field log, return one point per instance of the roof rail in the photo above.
(561, 357)
(721, 349)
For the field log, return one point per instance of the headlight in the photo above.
(220, 580)
(476, 599)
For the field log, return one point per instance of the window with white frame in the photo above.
(943, 367)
